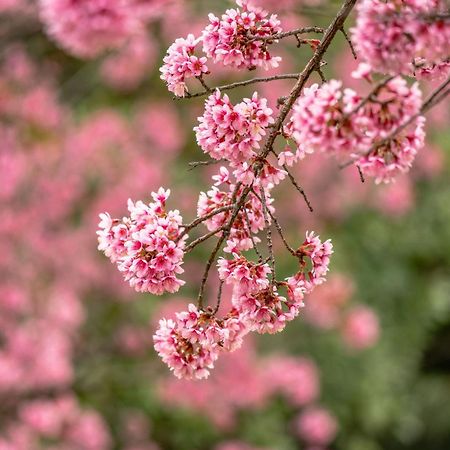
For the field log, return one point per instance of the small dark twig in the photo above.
(350, 43)
(361, 175)
(278, 228)
(268, 232)
(247, 220)
(219, 298)
(276, 37)
(193, 164)
(228, 87)
(201, 219)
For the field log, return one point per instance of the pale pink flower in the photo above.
(361, 328)
(228, 39)
(390, 35)
(180, 64)
(147, 246)
(316, 426)
(89, 27)
(233, 132)
(189, 345)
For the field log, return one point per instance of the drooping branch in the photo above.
(302, 78)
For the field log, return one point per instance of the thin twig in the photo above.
(275, 37)
(228, 87)
(201, 219)
(350, 43)
(361, 175)
(247, 219)
(193, 164)
(278, 228)
(219, 298)
(268, 232)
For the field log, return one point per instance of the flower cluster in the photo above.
(147, 246)
(233, 39)
(89, 27)
(335, 121)
(233, 132)
(180, 64)
(400, 36)
(190, 344)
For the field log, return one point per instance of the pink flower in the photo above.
(233, 132)
(229, 40)
(86, 28)
(147, 246)
(361, 328)
(180, 63)
(126, 69)
(296, 378)
(189, 345)
(391, 35)
(246, 276)
(316, 426)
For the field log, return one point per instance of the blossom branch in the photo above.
(437, 96)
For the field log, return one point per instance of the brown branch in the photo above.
(350, 43)
(268, 232)
(310, 67)
(201, 219)
(193, 164)
(278, 228)
(275, 37)
(247, 220)
(228, 87)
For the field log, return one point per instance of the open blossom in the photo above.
(233, 132)
(86, 28)
(229, 39)
(147, 246)
(180, 64)
(391, 35)
(245, 275)
(361, 328)
(314, 256)
(316, 426)
(316, 119)
(189, 345)
(297, 378)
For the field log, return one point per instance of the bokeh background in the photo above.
(367, 366)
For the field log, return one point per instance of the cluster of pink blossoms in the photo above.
(89, 27)
(192, 343)
(229, 40)
(404, 37)
(237, 40)
(330, 119)
(180, 64)
(147, 246)
(233, 132)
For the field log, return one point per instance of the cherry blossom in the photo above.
(229, 40)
